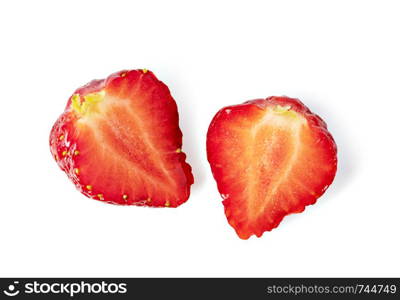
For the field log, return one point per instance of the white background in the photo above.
(342, 58)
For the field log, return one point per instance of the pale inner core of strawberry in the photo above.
(277, 141)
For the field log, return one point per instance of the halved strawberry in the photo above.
(119, 141)
(270, 157)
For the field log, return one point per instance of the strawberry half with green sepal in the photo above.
(119, 141)
(270, 158)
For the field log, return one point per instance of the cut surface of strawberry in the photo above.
(270, 158)
(119, 141)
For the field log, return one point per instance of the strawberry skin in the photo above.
(270, 158)
(119, 141)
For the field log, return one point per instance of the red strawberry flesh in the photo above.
(271, 158)
(119, 141)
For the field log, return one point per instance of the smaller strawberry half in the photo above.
(119, 141)
(270, 158)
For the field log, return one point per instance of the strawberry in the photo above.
(270, 158)
(119, 141)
